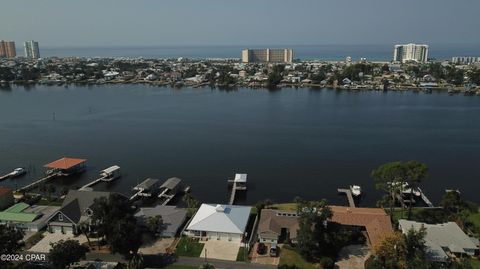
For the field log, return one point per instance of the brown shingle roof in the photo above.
(273, 221)
(375, 220)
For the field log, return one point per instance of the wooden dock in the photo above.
(4, 176)
(425, 199)
(38, 182)
(348, 192)
(88, 185)
(238, 184)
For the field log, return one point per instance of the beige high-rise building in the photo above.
(410, 53)
(267, 56)
(7, 49)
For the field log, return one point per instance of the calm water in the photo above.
(323, 52)
(291, 142)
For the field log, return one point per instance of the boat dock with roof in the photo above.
(61, 167)
(106, 175)
(146, 188)
(169, 189)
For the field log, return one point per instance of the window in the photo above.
(60, 217)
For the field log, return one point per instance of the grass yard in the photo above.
(475, 263)
(475, 219)
(242, 256)
(189, 247)
(284, 206)
(291, 257)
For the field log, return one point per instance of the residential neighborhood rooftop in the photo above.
(65, 163)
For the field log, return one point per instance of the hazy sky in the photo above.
(57, 23)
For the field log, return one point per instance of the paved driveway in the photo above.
(44, 244)
(265, 258)
(222, 250)
(353, 257)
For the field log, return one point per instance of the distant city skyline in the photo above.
(120, 23)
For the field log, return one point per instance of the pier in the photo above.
(37, 182)
(238, 184)
(425, 198)
(107, 175)
(348, 192)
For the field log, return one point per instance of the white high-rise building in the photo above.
(410, 52)
(31, 49)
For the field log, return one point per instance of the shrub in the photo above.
(327, 263)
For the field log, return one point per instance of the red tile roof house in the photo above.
(375, 220)
(6, 198)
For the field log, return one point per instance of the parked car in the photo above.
(274, 250)
(261, 249)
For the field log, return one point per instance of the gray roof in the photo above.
(441, 236)
(171, 183)
(172, 216)
(147, 184)
(76, 202)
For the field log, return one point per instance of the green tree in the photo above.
(391, 252)
(452, 201)
(155, 225)
(136, 262)
(415, 247)
(64, 253)
(192, 203)
(84, 228)
(113, 219)
(389, 177)
(10, 242)
(313, 237)
(414, 172)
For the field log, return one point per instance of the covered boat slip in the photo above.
(66, 166)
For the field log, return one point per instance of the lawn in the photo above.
(475, 263)
(284, 206)
(475, 219)
(241, 256)
(189, 247)
(291, 257)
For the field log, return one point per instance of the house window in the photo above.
(60, 217)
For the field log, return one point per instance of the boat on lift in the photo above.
(356, 190)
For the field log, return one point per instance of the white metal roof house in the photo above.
(442, 239)
(219, 222)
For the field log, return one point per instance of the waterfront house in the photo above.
(26, 217)
(277, 226)
(219, 222)
(172, 218)
(375, 221)
(6, 197)
(442, 240)
(76, 208)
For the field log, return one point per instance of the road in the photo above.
(222, 264)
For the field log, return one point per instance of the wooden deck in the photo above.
(235, 188)
(348, 192)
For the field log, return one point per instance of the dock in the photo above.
(239, 183)
(106, 175)
(146, 188)
(37, 182)
(425, 198)
(169, 189)
(348, 192)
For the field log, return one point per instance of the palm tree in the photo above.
(136, 262)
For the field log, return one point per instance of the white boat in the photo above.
(356, 190)
(18, 172)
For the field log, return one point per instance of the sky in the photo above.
(104, 23)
